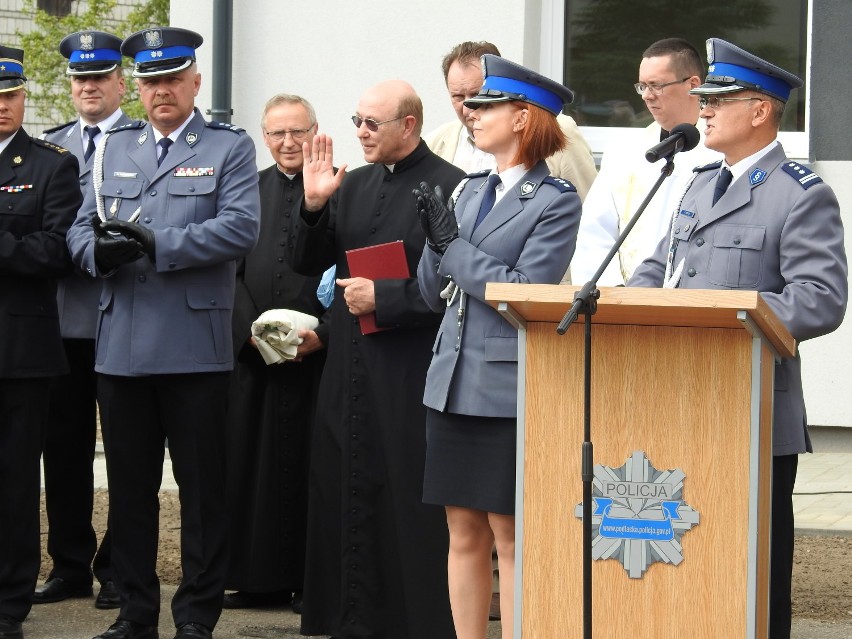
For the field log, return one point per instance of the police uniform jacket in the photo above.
(39, 197)
(77, 294)
(776, 230)
(528, 237)
(172, 315)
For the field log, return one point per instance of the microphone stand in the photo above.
(586, 302)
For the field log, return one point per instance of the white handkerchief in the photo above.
(277, 333)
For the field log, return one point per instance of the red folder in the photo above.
(379, 262)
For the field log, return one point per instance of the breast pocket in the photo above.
(737, 256)
(18, 213)
(190, 200)
(115, 191)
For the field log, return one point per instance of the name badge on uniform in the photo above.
(191, 171)
(123, 174)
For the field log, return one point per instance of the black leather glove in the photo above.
(113, 251)
(132, 231)
(443, 227)
(422, 209)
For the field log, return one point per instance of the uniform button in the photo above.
(382, 196)
(280, 259)
(691, 272)
(677, 229)
(699, 241)
(686, 228)
(192, 189)
(172, 265)
(372, 230)
(118, 191)
(212, 302)
(153, 193)
(278, 275)
(147, 220)
(282, 243)
(737, 241)
(83, 182)
(142, 278)
(354, 435)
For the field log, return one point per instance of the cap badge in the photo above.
(191, 138)
(141, 139)
(87, 42)
(527, 188)
(153, 39)
(710, 56)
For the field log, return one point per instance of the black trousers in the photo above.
(137, 415)
(69, 451)
(23, 416)
(783, 538)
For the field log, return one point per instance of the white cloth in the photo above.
(624, 180)
(276, 333)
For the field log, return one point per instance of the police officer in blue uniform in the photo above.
(39, 197)
(97, 87)
(174, 204)
(758, 221)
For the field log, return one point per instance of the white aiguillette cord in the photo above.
(672, 278)
(98, 180)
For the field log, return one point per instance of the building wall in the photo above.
(331, 51)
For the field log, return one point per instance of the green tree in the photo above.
(49, 88)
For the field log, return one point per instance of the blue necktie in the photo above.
(722, 183)
(488, 199)
(164, 144)
(91, 131)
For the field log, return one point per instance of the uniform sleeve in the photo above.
(813, 266)
(651, 272)
(42, 251)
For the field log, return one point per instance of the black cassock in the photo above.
(270, 409)
(377, 556)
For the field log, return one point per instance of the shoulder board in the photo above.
(50, 145)
(564, 186)
(226, 126)
(708, 167)
(803, 175)
(58, 128)
(478, 174)
(136, 124)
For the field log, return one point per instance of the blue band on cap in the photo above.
(773, 85)
(11, 66)
(535, 93)
(166, 53)
(96, 55)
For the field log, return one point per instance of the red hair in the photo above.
(540, 138)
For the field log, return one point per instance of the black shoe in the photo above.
(57, 589)
(124, 629)
(194, 631)
(296, 604)
(243, 599)
(108, 597)
(10, 628)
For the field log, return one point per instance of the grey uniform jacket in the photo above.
(528, 237)
(77, 294)
(202, 204)
(776, 230)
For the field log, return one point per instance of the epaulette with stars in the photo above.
(803, 175)
(50, 145)
(708, 167)
(226, 126)
(136, 124)
(58, 128)
(478, 174)
(564, 186)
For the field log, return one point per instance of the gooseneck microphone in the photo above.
(684, 137)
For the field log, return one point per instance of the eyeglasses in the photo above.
(372, 125)
(656, 89)
(298, 135)
(714, 102)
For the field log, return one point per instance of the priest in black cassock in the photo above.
(271, 406)
(376, 555)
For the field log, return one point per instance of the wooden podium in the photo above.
(684, 376)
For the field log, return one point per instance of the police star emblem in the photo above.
(191, 138)
(17, 159)
(638, 515)
(87, 42)
(527, 187)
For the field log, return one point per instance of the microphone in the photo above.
(684, 137)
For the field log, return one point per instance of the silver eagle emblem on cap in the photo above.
(710, 56)
(87, 42)
(153, 39)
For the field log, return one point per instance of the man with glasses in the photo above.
(97, 87)
(758, 221)
(453, 141)
(271, 407)
(669, 69)
(376, 555)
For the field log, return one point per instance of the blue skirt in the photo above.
(470, 462)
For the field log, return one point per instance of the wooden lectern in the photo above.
(684, 376)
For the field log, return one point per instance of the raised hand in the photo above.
(318, 174)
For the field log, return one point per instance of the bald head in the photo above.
(397, 106)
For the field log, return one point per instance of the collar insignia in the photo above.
(757, 176)
(527, 187)
(191, 138)
(17, 159)
(141, 139)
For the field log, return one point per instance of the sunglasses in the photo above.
(371, 124)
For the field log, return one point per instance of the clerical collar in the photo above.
(289, 176)
(389, 167)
